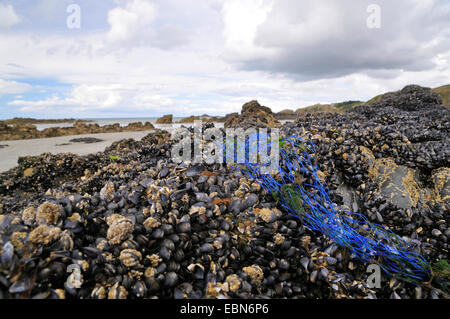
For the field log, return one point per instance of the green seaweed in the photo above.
(276, 197)
(441, 277)
(442, 268)
(291, 195)
(114, 158)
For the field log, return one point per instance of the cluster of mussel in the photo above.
(128, 223)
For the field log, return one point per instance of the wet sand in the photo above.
(11, 153)
(32, 147)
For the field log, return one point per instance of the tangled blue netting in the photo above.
(312, 204)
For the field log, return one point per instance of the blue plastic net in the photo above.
(311, 203)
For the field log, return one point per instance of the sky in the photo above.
(147, 58)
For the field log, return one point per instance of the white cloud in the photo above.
(241, 21)
(13, 87)
(315, 39)
(135, 19)
(136, 24)
(8, 16)
(160, 76)
(83, 97)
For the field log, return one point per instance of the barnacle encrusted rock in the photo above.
(120, 229)
(267, 215)
(396, 183)
(48, 213)
(233, 282)
(151, 223)
(117, 292)
(149, 272)
(252, 115)
(255, 273)
(278, 239)
(107, 192)
(18, 239)
(154, 260)
(44, 234)
(441, 180)
(130, 257)
(28, 215)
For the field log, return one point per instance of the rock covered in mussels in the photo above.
(253, 115)
(140, 226)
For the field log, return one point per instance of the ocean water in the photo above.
(126, 121)
(122, 122)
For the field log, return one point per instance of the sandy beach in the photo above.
(10, 154)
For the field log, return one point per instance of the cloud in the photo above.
(82, 98)
(132, 21)
(242, 18)
(324, 39)
(13, 87)
(8, 16)
(136, 24)
(154, 57)
(100, 98)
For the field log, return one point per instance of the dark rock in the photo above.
(86, 140)
(252, 115)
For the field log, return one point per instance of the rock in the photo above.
(252, 115)
(286, 115)
(28, 172)
(151, 223)
(234, 282)
(166, 119)
(255, 273)
(130, 257)
(21, 130)
(144, 227)
(190, 119)
(267, 215)
(117, 292)
(441, 181)
(317, 108)
(28, 215)
(48, 213)
(86, 140)
(120, 229)
(44, 234)
(410, 98)
(229, 118)
(107, 192)
(397, 184)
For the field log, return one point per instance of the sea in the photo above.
(122, 122)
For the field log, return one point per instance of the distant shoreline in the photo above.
(61, 144)
(23, 129)
(29, 120)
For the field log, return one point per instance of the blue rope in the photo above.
(367, 241)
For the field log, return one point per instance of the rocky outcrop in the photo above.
(27, 120)
(166, 119)
(204, 118)
(317, 108)
(190, 119)
(252, 115)
(286, 115)
(410, 98)
(389, 165)
(29, 131)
